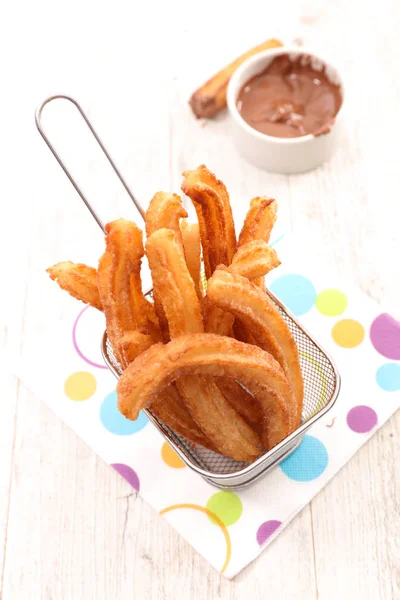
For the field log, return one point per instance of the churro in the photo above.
(79, 280)
(214, 213)
(256, 310)
(192, 248)
(204, 353)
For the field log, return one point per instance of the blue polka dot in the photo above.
(308, 462)
(388, 377)
(296, 292)
(115, 422)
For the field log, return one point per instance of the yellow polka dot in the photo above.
(348, 333)
(80, 386)
(331, 302)
(170, 457)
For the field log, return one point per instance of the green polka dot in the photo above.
(331, 303)
(227, 506)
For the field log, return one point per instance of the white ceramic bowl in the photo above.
(280, 155)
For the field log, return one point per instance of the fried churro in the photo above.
(131, 345)
(205, 353)
(259, 314)
(79, 280)
(192, 247)
(254, 259)
(214, 213)
(237, 397)
(259, 220)
(201, 395)
(168, 406)
(119, 282)
(164, 212)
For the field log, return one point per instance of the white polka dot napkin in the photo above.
(230, 529)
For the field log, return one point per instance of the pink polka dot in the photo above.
(129, 474)
(76, 346)
(266, 530)
(362, 419)
(385, 336)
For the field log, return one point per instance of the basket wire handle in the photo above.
(38, 120)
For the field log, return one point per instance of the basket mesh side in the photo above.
(319, 386)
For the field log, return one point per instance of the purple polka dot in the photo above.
(362, 419)
(385, 336)
(129, 474)
(266, 530)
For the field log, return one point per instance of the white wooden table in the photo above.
(70, 527)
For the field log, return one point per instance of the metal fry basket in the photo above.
(321, 377)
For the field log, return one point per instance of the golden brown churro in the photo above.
(192, 247)
(258, 224)
(131, 345)
(119, 282)
(259, 314)
(168, 406)
(80, 281)
(205, 353)
(173, 284)
(234, 397)
(171, 410)
(217, 230)
(240, 399)
(254, 259)
(172, 281)
(164, 211)
(259, 220)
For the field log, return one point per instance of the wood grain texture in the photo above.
(70, 527)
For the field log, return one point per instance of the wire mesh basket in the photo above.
(321, 378)
(321, 388)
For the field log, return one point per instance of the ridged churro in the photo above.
(232, 436)
(259, 314)
(204, 353)
(192, 247)
(79, 280)
(237, 397)
(214, 213)
(168, 406)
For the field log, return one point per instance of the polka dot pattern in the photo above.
(129, 474)
(361, 419)
(385, 336)
(388, 377)
(331, 303)
(227, 506)
(115, 422)
(296, 292)
(226, 511)
(170, 457)
(307, 462)
(266, 530)
(80, 386)
(348, 333)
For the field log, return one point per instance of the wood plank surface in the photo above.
(70, 527)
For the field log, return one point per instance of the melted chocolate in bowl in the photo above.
(290, 98)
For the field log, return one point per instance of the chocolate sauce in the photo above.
(290, 99)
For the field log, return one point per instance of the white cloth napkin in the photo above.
(363, 341)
